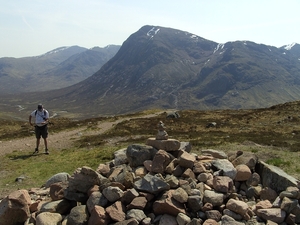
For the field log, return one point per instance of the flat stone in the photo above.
(167, 145)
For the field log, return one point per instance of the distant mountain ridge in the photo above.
(159, 67)
(167, 68)
(53, 69)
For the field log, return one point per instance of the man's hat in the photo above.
(40, 106)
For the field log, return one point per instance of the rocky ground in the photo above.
(146, 186)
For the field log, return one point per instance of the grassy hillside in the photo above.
(272, 133)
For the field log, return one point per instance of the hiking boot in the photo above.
(36, 151)
(46, 151)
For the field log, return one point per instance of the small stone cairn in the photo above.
(161, 183)
(161, 134)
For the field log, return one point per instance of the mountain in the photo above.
(293, 48)
(159, 67)
(76, 68)
(14, 72)
(58, 68)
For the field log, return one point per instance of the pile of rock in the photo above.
(163, 183)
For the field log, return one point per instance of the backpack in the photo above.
(44, 117)
(43, 111)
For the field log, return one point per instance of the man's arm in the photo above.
(46, 119)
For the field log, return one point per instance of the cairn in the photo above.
(161, 134)
(162, 182)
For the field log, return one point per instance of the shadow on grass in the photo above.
(16, 157)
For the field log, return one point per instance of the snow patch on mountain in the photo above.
(219, 46)
(56, 50)
(289, 47)
(193, 36)
(153, 31)
(207, 61)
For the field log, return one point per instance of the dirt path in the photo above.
(61, 140)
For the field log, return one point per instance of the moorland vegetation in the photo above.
(271, 133)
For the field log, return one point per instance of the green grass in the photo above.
(269, 133)
(278, 162)
(37, 169)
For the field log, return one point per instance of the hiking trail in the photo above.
(61, 140)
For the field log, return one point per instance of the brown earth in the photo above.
(61, 140)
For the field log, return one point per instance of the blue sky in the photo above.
(34, 27)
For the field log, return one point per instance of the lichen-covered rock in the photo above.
(276, 215)
(137, 154)
(225, 167)
(78, 216)
(151, 184)
(14, 209)
(170, 145)
(59, 177)
(275, 178)
(48, 218)
(169, 185)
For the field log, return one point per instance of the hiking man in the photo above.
(41, 129)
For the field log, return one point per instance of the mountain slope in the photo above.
(15, 72)
(167, 68)
(75, 69)
(247, 75)
(20, 67)
(158, 67)
(149, 68)
(58, 68)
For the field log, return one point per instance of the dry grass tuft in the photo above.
(272, 133)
